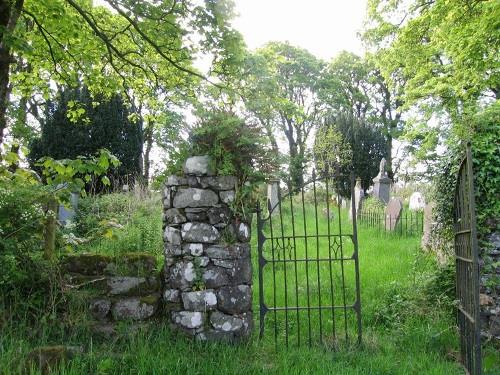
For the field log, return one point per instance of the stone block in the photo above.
(175, 181)
(235, 251)
(182, 275)
(167, 198)
(188, 319)
(202, 300)
(215, 277)
(87, 264)
(200, 233)
(239, 270)
(171, 295)
(234, 299)
(218, 215)
(243, 232)
(213, 335)
(203, 261)
(225, 323)
(193, 181)
(219, 182)
(137, 264)
(100, 308)
(193, 198)
(247, 328)
(194, 249)
(135, 308)
(174, 216)
(196, 214)
(173, 250)
(127, 285)
(172, 236)
(227, 196)
(199, 166)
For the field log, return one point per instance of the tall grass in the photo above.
(404, 330)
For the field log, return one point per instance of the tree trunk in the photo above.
(50, 229)
(390, 172)
(9, 14)
(296, 167)
(148, 138)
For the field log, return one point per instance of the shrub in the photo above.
(236, 148)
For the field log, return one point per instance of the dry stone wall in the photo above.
(124, 288)
(207, 277)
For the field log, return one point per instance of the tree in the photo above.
(48, 43)
(285, 80)
(446, 52)
(354, 87)
(344, 144)
(104, 126)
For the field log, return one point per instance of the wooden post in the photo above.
(50, 229)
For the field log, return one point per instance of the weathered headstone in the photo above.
(417, 201)
(428, 223)
(359, 194)
(382, 184)
(67, 213)
(272, 193)
(393, 213)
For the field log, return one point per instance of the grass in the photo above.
(405, 331)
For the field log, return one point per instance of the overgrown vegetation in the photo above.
(484, 140)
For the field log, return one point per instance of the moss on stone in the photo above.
(48, 358)
(152, 299)
(87, 264)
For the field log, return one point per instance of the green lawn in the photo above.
(403, 332)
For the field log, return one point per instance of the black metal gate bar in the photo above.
(296, 271)
(467, 267)
(285, 262)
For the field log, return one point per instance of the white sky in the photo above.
(324, 27)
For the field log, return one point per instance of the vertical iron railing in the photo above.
(308, 268)
(410, 223)
(467, 268)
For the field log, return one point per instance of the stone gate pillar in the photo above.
(208, 272)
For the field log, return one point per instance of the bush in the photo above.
(21, 234)
(236, 148)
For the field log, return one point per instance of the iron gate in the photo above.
(308, 267)
(467, 274)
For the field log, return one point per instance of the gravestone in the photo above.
(382, 184)
(359, 194)
(346, 203)
(208, 271)
(67, 213)
(428, 225)
(393, 213)
(272, 193)
(417, 201)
